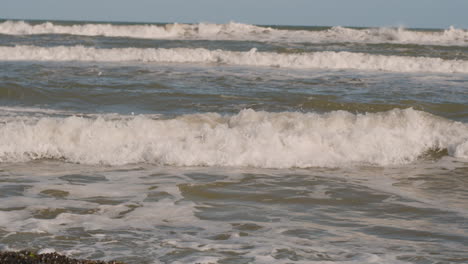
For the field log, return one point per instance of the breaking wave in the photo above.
(320, 60)
(238, 31)
(249, 138)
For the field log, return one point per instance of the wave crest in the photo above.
(238, 31)
(168, 31)
(320, 60)
(249, 138)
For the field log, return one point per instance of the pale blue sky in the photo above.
(409, 13)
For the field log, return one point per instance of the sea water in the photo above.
(234, 143)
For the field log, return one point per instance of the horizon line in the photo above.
(232, 21)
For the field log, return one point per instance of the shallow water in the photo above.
(145, 214)
(234, 143)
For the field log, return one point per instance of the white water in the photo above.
(321, 60)
(143, 223)
(237, 31)
(248, 139)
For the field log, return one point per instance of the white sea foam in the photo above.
(15, 110)
(46, 251)
(321, 60)
(237, 31)
(253, 139)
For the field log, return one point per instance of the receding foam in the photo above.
(320, 60)
(247, 139)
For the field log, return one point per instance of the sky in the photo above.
(407, 13)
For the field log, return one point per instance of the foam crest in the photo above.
(450, 36)
(168, 31)
(247, 139)
(238, 31)
(318, 60)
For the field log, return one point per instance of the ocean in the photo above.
(234, 143)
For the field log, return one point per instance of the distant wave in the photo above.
(249, 138)
(321, 60)
(237, 31)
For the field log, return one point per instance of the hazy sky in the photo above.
(409, 13)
